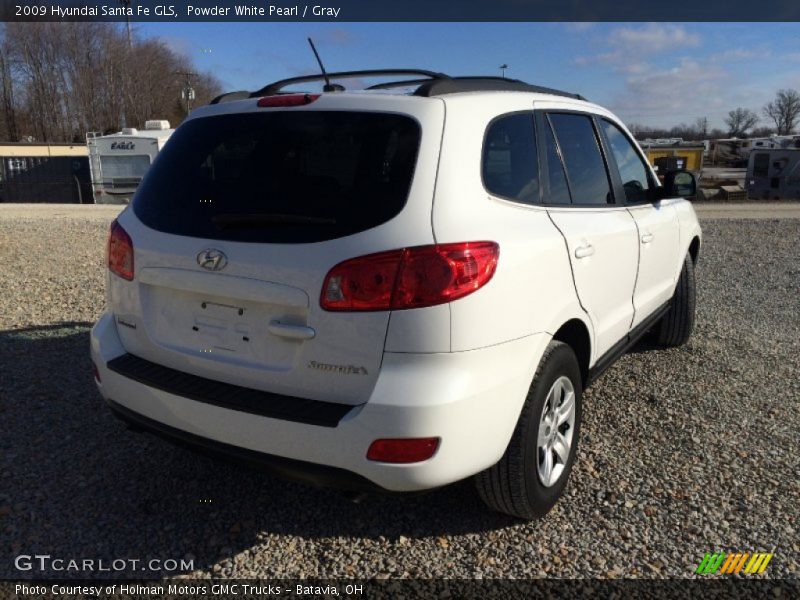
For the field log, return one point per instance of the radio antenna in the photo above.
(328, 86)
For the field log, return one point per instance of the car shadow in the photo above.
(76, 482)
(646, 345)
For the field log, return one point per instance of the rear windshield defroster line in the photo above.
(281, 177)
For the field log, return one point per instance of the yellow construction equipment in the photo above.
(692, 157)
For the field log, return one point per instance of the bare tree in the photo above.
(8, 114)
(635, 129)
(784, 111)
(60, 80)
(739, 121)
(762, 132)
(699, 130)
(701, 127)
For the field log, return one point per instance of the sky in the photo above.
(655, 74)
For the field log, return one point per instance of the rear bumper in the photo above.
(471, 400)
(296, 470)
(225, 395)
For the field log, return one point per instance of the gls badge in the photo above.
(212, 259)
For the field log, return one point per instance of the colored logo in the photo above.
(729, 564)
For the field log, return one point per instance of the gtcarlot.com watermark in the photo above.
(45, 563)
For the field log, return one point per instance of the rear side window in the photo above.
(585, 166)
(510, 160)
(281, 177)
(631, 167)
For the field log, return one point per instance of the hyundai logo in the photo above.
(212, 259)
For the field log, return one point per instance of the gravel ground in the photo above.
(684, 451)
(748, 210)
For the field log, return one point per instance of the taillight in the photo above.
(287, 100)
(120, 252)
(410, 277)
(402, 451)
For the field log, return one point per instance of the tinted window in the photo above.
(510, 161)
(586, 170)
(631, 167)
(283, 177)
(559, 190)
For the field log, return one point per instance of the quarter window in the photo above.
(510, 160)
(631, 167)
(586, 171)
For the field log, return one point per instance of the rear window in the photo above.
(281, 177)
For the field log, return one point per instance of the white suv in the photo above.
(395, 288)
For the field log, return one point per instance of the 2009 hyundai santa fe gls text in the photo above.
(395, 288)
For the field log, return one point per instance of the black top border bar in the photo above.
(276, 11)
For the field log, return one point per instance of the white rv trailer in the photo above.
(773, 174)
(119, 161)
(735, 152)
(772, 142)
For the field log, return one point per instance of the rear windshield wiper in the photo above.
(248, 220)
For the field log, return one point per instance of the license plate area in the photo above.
(219, 328)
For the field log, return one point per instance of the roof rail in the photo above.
(231, 96)
(482, 84)
(429, 84)
(395, 84)
(275, 88)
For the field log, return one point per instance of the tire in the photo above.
(514, 485)
(675, 327)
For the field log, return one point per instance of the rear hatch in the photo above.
(239, 220)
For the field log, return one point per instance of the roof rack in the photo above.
(275, 88)
(429, 84)
(231, 96)
(454, 85)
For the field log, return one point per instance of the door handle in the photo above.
(647, 237)
(584, 251)
(292, 332)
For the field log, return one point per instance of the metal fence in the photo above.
(45, 179)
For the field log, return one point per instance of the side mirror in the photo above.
(681, 184)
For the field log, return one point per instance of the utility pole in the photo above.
(127, 5)
(503, 68)
(187, 92)
(126, 83)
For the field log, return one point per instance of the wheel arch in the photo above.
(694, 248)
(575, 333)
